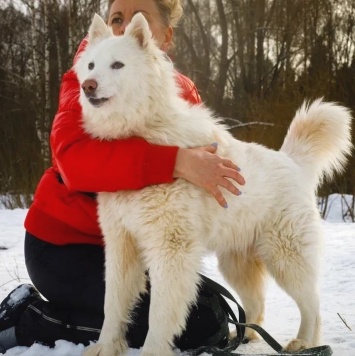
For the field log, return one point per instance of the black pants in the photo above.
(71, 278)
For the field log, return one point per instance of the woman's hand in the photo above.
(202, 167)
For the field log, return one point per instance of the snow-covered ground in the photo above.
(282, 317)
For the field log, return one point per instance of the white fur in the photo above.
(274, 226)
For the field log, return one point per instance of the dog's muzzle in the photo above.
(89, 87)
(97, 102)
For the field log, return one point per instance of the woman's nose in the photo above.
(123, 27)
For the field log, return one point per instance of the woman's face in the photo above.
(122, 11)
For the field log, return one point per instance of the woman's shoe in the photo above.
(15, 304)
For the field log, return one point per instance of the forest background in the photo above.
(253, 61)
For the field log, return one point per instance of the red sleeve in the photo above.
(86, 164)
(92, 165)
(81, 48)
(189, 91)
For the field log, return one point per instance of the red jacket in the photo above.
(61, 213)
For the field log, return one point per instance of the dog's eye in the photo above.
(117, 65)
(91, 65)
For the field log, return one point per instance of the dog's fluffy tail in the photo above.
(319, 139)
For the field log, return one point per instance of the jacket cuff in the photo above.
(158, 165)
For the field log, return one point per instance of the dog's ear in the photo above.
(139, 29)
(98, 30)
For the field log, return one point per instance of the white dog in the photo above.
(129, 90)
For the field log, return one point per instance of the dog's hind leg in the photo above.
(173, 270)
(246, 275)
(292, 258)
(125, 280)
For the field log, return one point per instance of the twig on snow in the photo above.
(344, 322)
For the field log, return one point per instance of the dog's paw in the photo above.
(251, 335)
(232, 335)
(92, 350)
(157, 350)
(159, 353)
(297, 345)
(99, 349)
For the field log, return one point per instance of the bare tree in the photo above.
(253, 61)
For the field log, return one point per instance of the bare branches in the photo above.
(344, 322)
(253, 61)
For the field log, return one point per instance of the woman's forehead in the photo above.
(129, 7)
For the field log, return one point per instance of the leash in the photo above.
(324, 350)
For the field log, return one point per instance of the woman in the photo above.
(63, 244)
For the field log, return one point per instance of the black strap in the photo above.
(324, 350)
(234, 343)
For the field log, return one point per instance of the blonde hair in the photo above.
(170, 11)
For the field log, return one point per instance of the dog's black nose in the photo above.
(89, 86)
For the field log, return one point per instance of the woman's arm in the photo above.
(87, 164)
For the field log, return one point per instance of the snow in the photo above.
(282, 317)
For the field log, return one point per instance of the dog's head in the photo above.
(122, 79)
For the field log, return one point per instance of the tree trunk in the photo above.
(223, 63)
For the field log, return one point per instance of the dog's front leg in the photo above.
(125, 279)
(173, 270)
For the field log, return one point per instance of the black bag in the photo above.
(207, 324)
